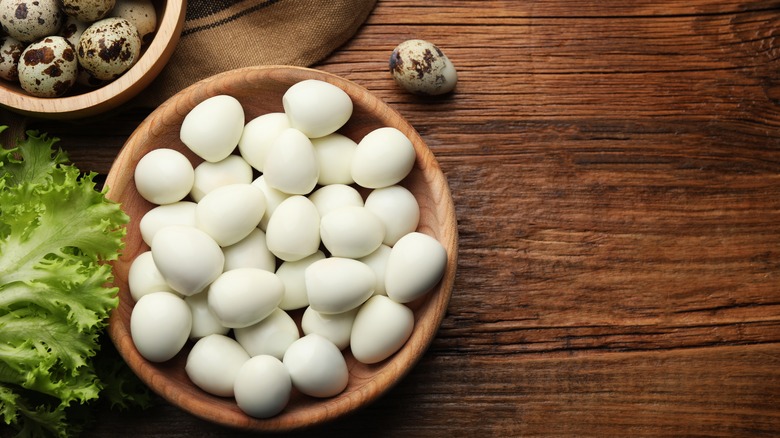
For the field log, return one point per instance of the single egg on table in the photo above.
(420, 67)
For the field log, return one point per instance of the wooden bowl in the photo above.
(260, 91)
(84, 103)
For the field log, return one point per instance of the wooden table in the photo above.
(616, 171)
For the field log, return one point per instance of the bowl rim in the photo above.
(115, 93)
(392, 370)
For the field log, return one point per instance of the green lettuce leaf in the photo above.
(57, 231)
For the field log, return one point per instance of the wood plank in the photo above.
(616, 172)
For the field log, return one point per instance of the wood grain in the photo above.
(615, 168)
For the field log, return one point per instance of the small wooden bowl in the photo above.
(260, 91)
(170, 20)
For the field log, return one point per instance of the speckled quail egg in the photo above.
(48, 67)
(30, 20)
(421, 68)
(72, 29)
(88, 10)
(109, 47)
(85, 79)
(10, 52)
(139, 12)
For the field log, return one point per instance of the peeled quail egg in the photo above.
(144, 277)
(10, 52)
(213, 364)
(87, 10)
(381, 327)
(316, 108)
(272, 335)
(263, 386)
(338, 284)
(188, 258)
(28, 21)
(316, 366)
(422, 68)
(213, 128)
(48, 68)
(244, 296)
(292, 275)
(109, 47)
(139, 12)
(160, 325)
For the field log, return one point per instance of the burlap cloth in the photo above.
(222, 35)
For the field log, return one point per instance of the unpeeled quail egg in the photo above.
(139, 12)
(72, 29)
(87, 10)
(109, 47)
(422, 68)
(48, 68)
(10, 52)
(28, 21)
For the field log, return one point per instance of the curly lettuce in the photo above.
(57, 231)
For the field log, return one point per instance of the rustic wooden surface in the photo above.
(616, 173)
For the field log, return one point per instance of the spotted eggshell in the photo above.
(48, 68)
(422, 68)
(139, 12)
(10, 52)
(87, 10)
(29, 21)
(109, 47)
(72, 29)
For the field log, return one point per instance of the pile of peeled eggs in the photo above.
(284, 215)
(52, 46)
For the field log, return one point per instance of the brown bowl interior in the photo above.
(260, 91)
(82, 102)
